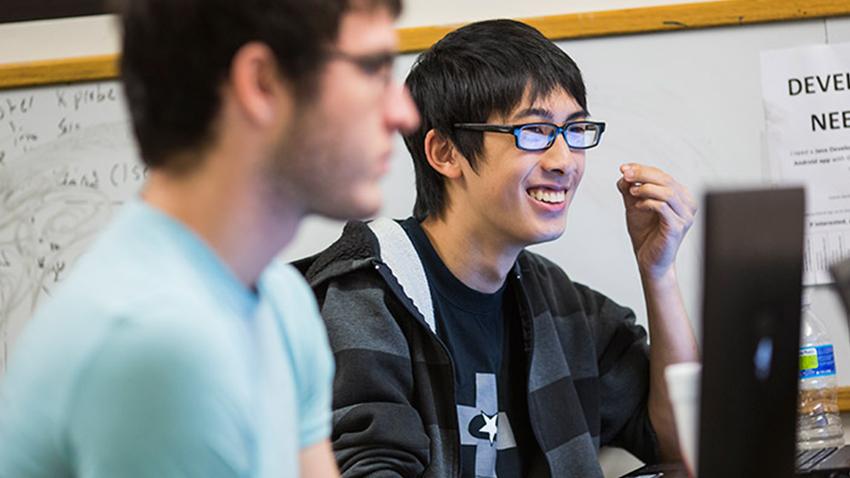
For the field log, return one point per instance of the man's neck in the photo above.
(229, 214)
(472, 255)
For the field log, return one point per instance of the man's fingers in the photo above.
(664, 194)
(641, 175)
(623, 186)
(666, 212)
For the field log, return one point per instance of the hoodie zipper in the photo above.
(523, 307)
(383, 270)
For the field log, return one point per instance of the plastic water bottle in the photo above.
(818, 419)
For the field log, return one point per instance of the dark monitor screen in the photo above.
(752, 285)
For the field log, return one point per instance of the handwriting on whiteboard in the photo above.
(67, 161)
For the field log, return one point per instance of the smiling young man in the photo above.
(459, 353)
(178, 347)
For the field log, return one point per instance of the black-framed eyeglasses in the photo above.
(378, 64)
(541, 136)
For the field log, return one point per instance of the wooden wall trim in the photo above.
(58, 71)
(653, 19)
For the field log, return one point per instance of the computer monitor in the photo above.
(752, 285)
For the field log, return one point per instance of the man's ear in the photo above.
(442, 155)
(261, 94)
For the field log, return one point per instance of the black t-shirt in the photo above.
(484, 337)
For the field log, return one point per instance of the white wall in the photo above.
(53, 39)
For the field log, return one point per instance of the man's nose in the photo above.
(402, 114)
(559, 158)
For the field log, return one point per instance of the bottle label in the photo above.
(817, 361)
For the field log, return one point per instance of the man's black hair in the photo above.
(475, 72)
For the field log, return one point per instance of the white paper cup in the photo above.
(683, 386)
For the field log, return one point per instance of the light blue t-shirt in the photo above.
(153, 360)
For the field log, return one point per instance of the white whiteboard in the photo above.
(688, 102)
(66, 162)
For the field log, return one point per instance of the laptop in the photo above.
(752, 287)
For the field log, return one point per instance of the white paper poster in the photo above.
(807, 113)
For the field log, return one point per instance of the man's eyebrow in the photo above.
(548, 115)
(578, 114)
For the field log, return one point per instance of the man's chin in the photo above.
(547, 234)
(548, 238)
(353, 208)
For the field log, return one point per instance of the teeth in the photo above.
(546, 195)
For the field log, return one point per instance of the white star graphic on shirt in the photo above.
(490, 427)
